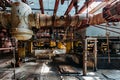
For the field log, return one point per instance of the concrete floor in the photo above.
(43, 70)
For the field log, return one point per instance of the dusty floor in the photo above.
(44, 70)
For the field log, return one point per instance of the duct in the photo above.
(19, 16)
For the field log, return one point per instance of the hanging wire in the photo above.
(87, 12)
(48, 8)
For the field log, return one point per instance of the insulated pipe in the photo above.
(19, 21)
(43, 20)
(22, 20)
(96, 19)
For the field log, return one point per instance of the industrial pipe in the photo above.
(19, 21)
(22, 19)
(43, 20)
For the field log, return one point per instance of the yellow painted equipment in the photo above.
(21, 49)
(52, 43)
(78, 43)
(61, 45)
(21, 52)
(40, 44)
(30, 46)
(68, 46)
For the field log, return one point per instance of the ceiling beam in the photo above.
(88, 3)
(72, 4)
(24, 1)
(69, 7)
(41, 6)
(62, 1)
(56, 7)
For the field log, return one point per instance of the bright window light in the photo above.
(91, 78)
(91, 73)
(92, 6)
(45, 69)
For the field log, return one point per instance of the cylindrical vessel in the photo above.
(43, 20)
(20, 27)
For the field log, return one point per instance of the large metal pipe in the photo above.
(43, 20)
(19, 21)
(22, 20)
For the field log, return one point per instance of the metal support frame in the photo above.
(14, 44)
(86, 52)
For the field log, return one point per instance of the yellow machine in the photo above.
(21, 49)
(61, 45)
(30, 46)
(52, 43)
(68, 46)
(21, 52)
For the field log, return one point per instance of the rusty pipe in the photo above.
(22, 20)
(19, 16)
(43, 20)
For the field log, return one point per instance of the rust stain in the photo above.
(16, 3)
